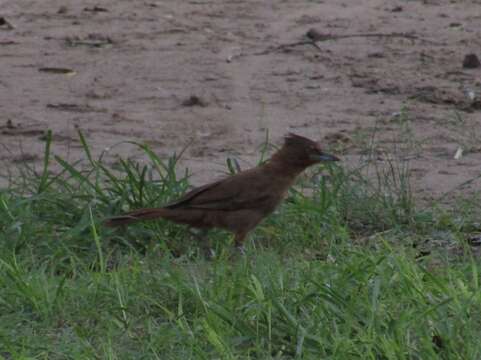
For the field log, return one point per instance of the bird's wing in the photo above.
(189, 196)
(237, 192)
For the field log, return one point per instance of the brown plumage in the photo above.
(239, 202)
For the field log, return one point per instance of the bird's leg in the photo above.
(239, 241)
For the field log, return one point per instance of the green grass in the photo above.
(353, 270)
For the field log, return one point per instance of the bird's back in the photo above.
(250, 189)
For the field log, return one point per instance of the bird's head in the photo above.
(303, 151)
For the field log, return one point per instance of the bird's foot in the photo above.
(241, 250)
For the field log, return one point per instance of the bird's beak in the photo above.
(324, 157)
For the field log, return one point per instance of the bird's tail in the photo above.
(134, 216)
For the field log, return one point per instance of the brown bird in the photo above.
(239, 202)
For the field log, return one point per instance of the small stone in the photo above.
(194, 100)
(455, 24)
(471, 61)
(96, 9)
(376, 55)
(459, 153)
(4, 24)
(314, 35)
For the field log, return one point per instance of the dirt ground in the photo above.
(220, 74)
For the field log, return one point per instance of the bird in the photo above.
(238, 203)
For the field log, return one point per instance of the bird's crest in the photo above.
(294, 139)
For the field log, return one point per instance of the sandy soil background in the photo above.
(219, 74)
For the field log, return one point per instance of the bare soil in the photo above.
(219, 75)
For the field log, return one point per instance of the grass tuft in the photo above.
(347, 268)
